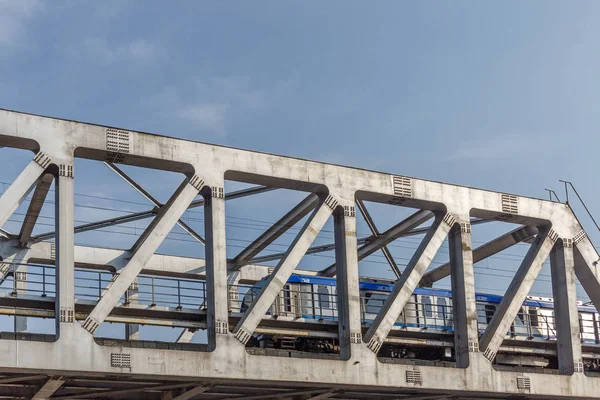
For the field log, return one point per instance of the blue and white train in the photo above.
(428, 310)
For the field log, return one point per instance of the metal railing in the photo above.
(37, 279)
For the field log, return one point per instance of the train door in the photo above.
(586, 327)
(287, 302)
(432, 312)
(326, 301)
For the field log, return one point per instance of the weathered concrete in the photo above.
(227, 360)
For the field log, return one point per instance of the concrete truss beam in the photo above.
(143, 249)
(191, 393)
(495, 246)
(517, 291)
(405, 286)
(33, 211)
(387, 237)
(276, 230)
(50, 387)
(373, 228)
(566, 313)
(22, 185)
(283, 270)
(137, 216)
(587, 266)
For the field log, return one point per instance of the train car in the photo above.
(429, 310)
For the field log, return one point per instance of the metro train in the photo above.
(428, 310)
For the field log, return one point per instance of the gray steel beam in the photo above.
(283, 270)
(566, 313)
(125, 392)
(405, 286)
(280, 395)
(146, 245)
(191, 393)
(464, 308)
(387, 237)
(149, 213)
(17, 379)
(276, 230)
(482, 252)
(371, 224)
(517, 291)
(35, 206)
(22, 185)
(50, 387)
(152, 200)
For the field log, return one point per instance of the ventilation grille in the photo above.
(402, 186)
(65, 170)
(53, 251)
(510, 204)
(4, 268)
(117, 140)
(465, 227)
(374, 345)
(449, 219)
(120, 360)
(90, 325)
(523, 383)
(221, 327)
(349, 211)
(243, 335)
(42, 159)
(579, 237)
(567, 243)
(356, 337)
(217, 192)
(197, 182)
(414, 377)
(552, 235)
(489, 354)
(331, 202)
(21, 276)
(67, 315)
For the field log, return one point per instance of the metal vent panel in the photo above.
(523, 383)
(414, 377)
(117, 140)
(402, 186)
(120, 360)
(510, 204)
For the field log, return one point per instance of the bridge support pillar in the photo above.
(348, 292)
(568, 341)
(217, 292)
(463, 293)
(65, 240)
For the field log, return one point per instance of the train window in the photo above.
(490, 309)
(441, 307)
(427, 309)
(375, 302)
(323, 292)
(533, 316)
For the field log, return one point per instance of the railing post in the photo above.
(43, 281)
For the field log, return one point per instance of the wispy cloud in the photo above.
(14, 17)
(208, 116)
(138, 50)
(500, 147)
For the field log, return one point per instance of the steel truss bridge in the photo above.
(47, 278)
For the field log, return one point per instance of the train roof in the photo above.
(386, 286)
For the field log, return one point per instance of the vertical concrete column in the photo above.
(568, 341)
(65, 240)
(21, 286)
(217, 292)
(348, 291)
(464, 308)
(132, 331)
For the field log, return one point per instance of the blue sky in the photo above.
(503, 96)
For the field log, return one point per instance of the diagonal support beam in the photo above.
(146, 246)
(482, 252)
(587, 267)
(35, 207)
(153, 200)
(387, 237)
(194, 392)
(20, 188)
(405, 286)
(149, 213)
(517, 292)
(566, 313)
(384, 249)
(284, 269)
(50, 387)
(275, 231)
